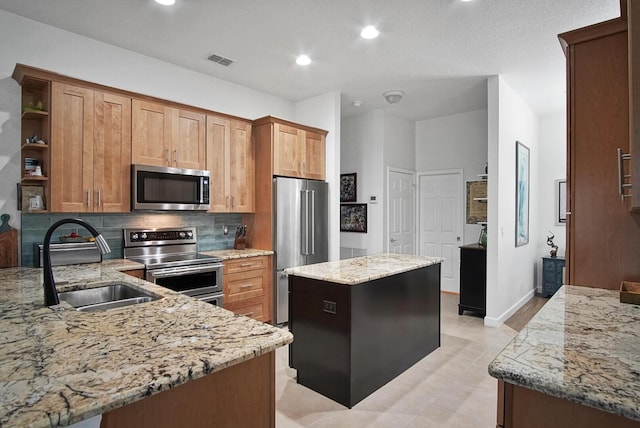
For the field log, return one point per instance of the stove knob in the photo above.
(134, 236)
(190, 234)
(182, 235)
(143, 236)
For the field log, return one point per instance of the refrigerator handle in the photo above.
(312, 225)
(304, 222)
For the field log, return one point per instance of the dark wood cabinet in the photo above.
(352, 339)
(603, 237)
(473, 279)
(552, 278)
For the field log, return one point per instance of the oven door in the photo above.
(190, 280)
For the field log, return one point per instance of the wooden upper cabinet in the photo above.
(288, 150)
(633, 39)
(188, 144)
(71, 177)
(90, 150)
(298, 152)
(230, 158)
(603, 238)
(151, 135)
(167, 136)
(112, 153)
(314, 164)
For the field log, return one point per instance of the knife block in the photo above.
(240, 243)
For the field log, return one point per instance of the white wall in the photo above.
(323, 112)
(510, 269)
(458, 141)
(361, 151)
(552, 166)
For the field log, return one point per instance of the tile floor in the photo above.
(449, 388)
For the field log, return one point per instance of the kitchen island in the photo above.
(175, 361)
(576, 363)
(361, 322)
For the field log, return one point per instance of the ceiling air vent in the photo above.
(220, 60)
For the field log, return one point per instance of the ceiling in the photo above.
(438, 52)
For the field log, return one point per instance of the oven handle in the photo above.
(215, 297)
(169, 272)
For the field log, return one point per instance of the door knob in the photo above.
(393, 240)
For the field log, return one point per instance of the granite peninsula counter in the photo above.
(361, 322)
(580, 355)
(62, 366)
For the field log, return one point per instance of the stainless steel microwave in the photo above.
(166, 188)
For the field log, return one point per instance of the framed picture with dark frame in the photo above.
(561, 202)
(348, 188)
(353, 218)
(522, 194)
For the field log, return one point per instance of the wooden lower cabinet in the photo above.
(242, 395)
(136, 273)
(247, 287)
(520, 407)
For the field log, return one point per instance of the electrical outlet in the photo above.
(329, 307)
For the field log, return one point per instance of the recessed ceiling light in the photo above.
(357, 103)
(466, 0)
(303, 60)
(369, 32)
(166, 2)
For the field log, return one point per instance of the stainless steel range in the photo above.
(171, 261)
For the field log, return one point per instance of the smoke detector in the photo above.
(393, 97)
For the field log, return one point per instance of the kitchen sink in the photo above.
(106, 297)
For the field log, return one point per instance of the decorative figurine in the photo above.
(554, 247)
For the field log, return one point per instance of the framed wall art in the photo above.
(476, 202)
(561, 202)
(353, 218)
(522, 194)
(348, 188)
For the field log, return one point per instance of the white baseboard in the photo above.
(497, 322)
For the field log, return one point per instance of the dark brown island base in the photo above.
(359, 323)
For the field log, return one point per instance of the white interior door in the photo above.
(440, 232)
(401, 217)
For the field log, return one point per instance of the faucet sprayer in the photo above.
(50, 292)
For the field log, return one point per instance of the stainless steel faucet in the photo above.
(50, 292)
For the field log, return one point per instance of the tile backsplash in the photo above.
(209, 228)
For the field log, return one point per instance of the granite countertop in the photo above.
(237, 254)
(582, 346)
(363, 269)
(62, 366)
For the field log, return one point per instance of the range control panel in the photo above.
(159, 236)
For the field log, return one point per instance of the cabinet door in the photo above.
(112, 153)
(218, 134)
(71, 148)
(188, 143)
(603, 239)
(241, 168)
(288, 150)
(151, 136)
(314, 156)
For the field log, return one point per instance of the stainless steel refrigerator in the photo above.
(300, 210)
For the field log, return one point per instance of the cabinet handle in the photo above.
(175, 156)
(99, 198)
(622, 176)
(168, 159)
(233, 202)
(89, 198)
(245, 286)
(246, 264)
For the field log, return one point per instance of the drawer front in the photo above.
(245, 285)
(244, 264)
(257, 310)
